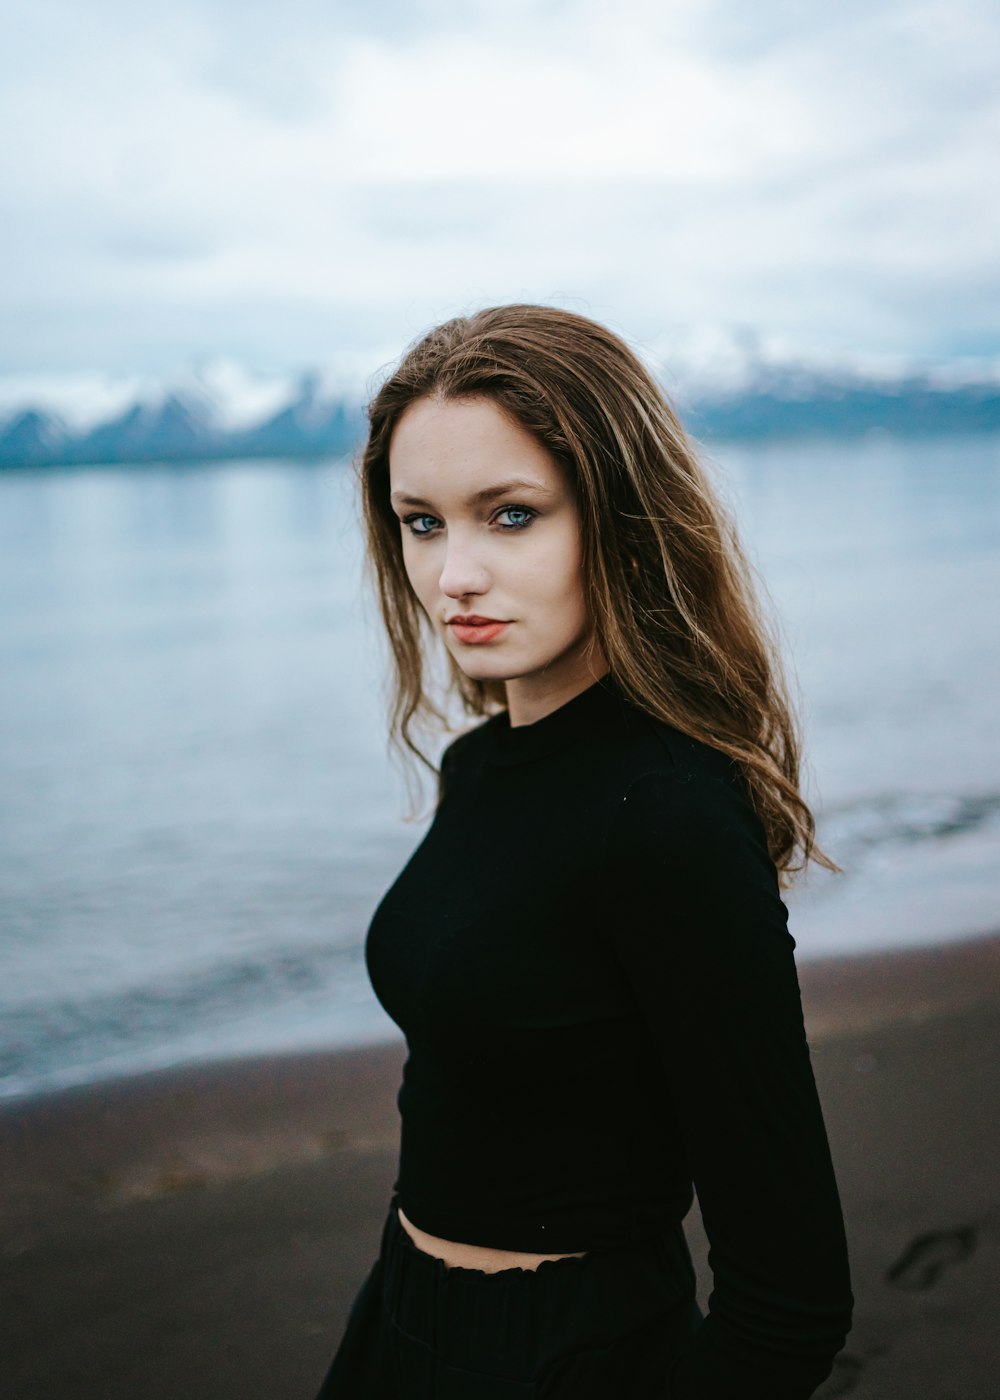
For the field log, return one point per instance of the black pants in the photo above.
(608, 1324)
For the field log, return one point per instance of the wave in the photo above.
(857, 830)
(70, 1040)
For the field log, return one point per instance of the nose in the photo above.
(463, 573)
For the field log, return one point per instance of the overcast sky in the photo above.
(319, 180)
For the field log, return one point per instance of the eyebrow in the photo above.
(489, 493)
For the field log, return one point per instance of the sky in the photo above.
(318, 182)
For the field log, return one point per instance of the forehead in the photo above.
(464, 447)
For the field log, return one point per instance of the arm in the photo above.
(700, 930)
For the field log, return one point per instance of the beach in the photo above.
(201, 1232)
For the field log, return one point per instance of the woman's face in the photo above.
(491, 533)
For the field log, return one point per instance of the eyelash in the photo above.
(424, 534)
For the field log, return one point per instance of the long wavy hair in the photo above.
(672, 596)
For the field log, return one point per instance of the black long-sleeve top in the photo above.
(590, 960)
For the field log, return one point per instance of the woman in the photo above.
(587, 952)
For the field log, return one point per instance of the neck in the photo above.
(531, 698)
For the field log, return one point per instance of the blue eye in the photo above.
(518, 510)
(525, 511)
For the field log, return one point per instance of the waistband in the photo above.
(607, 1292)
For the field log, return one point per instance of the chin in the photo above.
(484, 668)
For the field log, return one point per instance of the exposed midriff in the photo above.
(472, 1256)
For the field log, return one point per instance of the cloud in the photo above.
(222, 178)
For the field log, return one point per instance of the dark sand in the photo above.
(200, 1234)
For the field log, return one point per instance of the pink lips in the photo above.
(473, 632)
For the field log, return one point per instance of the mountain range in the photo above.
(213, 415)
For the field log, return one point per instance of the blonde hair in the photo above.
(670, 590)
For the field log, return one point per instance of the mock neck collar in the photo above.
(588, 713)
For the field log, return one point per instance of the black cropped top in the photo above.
(589, 958)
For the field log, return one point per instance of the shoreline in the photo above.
(202, 1230)
(866, 991)
(838, 990)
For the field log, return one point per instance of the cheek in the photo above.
(559, 568)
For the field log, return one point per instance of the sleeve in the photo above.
(701, 932)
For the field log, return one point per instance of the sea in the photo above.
(199, 811)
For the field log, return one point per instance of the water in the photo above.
(198, 814)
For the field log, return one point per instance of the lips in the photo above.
(474, 630)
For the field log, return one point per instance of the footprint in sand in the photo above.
(925, 1258)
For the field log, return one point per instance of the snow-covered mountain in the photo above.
(217, 411)
(792, 402)
(725, 387)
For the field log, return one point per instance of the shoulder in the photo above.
(464, 752)
(667, 775)
(684, 848)
(464, 745)
(683, 808)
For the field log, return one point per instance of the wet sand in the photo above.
(200, 1233)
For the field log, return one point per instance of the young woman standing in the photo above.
(588, 952)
